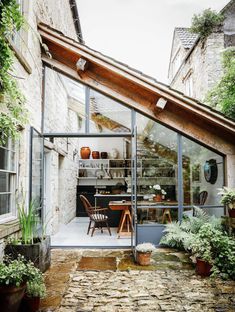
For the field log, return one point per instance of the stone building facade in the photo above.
(108, 83)
(195, 65)
(62, 180)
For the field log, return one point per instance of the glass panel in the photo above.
(37, 169)
(4, 156)
(108, 116)
(203, 174)
(157, 161)
(157, 215)
(64, 104)
(7, 156)
(5, 203)
(4, 182)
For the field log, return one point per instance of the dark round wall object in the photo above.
(211, 171)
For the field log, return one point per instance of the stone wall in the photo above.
(28, 67)
(204, 62)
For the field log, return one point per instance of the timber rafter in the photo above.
(138, 91)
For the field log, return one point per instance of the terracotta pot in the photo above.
(85, 152)
(157, 198)
(203, 268)
(143, 258)
(231, 213)
(104, 155)
(30, 304)
(10, 297)
(95, 155)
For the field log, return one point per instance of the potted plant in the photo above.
(32, 246)
(35, 291)
(143, 253)
(158, 192)
(228, 199)
(14, 274)
(202, 252)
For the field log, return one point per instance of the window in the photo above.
(188, 81)
(176, 62)
(7, 179)
(17, 35)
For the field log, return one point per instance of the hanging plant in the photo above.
(12, 110)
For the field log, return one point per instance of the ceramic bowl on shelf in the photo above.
(95, 155)
(104, 155)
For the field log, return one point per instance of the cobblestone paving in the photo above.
(134, 290)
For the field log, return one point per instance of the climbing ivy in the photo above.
(222, 96)
(204, 24)
(12, 110)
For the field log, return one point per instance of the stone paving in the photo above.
(169, 284)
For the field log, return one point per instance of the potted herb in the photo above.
(35, 291)
(14, 274)
(32, 246)
(143, 253)
(228, 199)
(202, 251)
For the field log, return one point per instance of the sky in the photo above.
(138, 32)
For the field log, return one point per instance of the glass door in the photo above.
(36, 170)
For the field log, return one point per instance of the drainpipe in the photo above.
(76, 20)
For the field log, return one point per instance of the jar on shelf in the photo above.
(95, 155)
(85, 152)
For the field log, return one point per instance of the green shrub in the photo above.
(204, 24)
(222, 96)
(203, 236)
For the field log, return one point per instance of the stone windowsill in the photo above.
(9, 228)
(20, 57)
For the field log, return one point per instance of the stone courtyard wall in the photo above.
(28, 67)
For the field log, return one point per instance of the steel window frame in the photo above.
(132, 135)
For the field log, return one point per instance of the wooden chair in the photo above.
(202, 197)
(97, 215)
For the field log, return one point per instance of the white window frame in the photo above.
(13, 181)
(176, 62)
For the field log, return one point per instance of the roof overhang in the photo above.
(138, 91)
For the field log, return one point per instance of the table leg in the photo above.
(120, 222)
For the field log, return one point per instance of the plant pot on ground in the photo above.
(35, 291)
(228, 199)
(32, 246)
(203, 268)
(143, 253)
(14, 274)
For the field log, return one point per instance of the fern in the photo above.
(181, 235)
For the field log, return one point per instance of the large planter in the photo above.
(10, 297)
(39, 253)
(143, 258)
(30, 304)
(203, 268)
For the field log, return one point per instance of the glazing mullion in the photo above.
(180, 177)
(87, 109)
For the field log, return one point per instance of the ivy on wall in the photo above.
(12, 110)
(222, 96)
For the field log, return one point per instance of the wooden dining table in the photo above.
(125, 226)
